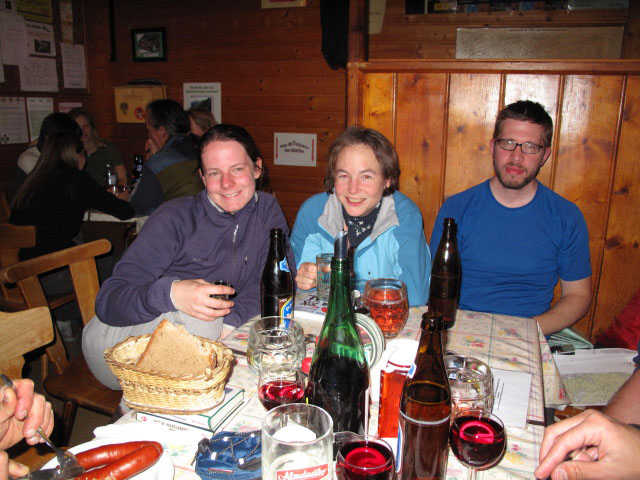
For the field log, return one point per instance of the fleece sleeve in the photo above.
(137, 292)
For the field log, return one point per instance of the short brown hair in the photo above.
(382, 148)
(203, 118)
(526, 111)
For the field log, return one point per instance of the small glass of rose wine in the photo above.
(281, 381)
(477, 439)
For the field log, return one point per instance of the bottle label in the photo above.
(310, 473)
(285, 307)
(284, 266)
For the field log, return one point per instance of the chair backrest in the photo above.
(5, 209)
(12, 239)
(82, 265)
(20, 333)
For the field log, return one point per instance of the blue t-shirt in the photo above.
(512, 257)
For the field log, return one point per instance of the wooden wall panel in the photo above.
(620, 266)
(444, 114)
(379, 92)
(474, 100)
(420, 138)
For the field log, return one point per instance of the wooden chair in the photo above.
(12, 239)
(71, 381)
(20, 333)
(5, 209)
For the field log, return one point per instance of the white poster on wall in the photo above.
(41, 39)
(13, 39)
(13, 121)
(206, 96)
(74, 69)
(39, 75)
(297, 149)
(37, 109)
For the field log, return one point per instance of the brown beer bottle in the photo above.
(444, 289)
(425, 408)
(276, 287)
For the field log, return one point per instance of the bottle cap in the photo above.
(341, 246)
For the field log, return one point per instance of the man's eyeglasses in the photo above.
(510, 146)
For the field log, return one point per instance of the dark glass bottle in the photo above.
(137, 169)
(111, 179)
(339, 374)
(444, 290)
(276, 287)
(425, 408)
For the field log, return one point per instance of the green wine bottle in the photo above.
(339, 374)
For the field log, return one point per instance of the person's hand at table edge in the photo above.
(306, 276)
(21, 413)
(599, 446)
(193, 297)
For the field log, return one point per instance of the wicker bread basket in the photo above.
(152, 391)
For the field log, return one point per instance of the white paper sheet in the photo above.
(203, 95)
(13, 38)
(511, 396)
(39, 75)
(41, 39)
(37, 109)
(13, 120)
(74, 69)
(600, 360)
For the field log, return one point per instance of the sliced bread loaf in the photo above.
(173, 350)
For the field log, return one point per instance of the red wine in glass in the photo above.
(365, 460)
(477, 439)
(279, 392)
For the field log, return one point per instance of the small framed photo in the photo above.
(149, 44)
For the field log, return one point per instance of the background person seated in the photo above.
(516, 237)
(383, 225)
(170, 171)
(98, 152)
(188, 243)
(52, 123)
(54, 198)
(200, 121)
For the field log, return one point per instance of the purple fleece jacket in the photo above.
(189, 238)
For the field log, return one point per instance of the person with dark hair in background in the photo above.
(186, 245)
(52, 123)
(54, 198)
(200, 120)
(170, 170)
(98, 152)
(516, 237)
(384, 226)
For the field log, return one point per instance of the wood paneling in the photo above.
(443, 116)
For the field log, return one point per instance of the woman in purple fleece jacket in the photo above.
(188, 243)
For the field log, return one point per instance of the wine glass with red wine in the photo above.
(477, 439)
(281, 381)
(364, 457)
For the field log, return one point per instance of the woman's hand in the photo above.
(21, 413)
(306, 276)
(193, 298)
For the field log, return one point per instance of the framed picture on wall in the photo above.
(149, 44)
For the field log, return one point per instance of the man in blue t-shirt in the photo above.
(516, 237)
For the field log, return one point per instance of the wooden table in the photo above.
(509, 343)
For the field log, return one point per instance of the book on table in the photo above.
(209, 421)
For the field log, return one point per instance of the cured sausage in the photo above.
(118, 461)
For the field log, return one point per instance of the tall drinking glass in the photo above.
(297, 442)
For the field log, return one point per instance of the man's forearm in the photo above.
(566, 311)
(624, 404)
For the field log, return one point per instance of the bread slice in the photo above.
(172, 350)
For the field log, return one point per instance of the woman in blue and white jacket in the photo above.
(383, 225)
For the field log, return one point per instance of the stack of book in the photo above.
(203, 423)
